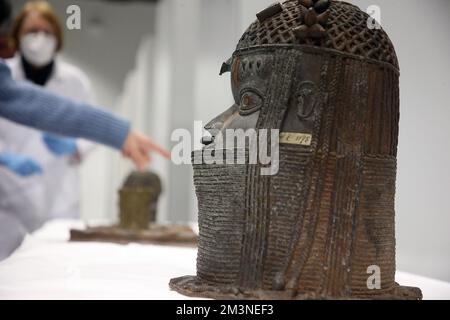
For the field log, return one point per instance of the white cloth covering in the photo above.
(46, 266)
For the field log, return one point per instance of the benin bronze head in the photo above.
(323, 226)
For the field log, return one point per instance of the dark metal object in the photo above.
(269, 12)
(138, 205)
(317, 227)
(138, 200)
(226, 67)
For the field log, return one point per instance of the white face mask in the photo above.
(38, 48)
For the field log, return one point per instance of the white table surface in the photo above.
(46, 266)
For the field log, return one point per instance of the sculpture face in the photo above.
(249, 85)
(314, 229)
(252, 80)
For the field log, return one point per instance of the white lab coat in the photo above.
(55, 193)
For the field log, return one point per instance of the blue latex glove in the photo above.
(21, 165)
(60, 146)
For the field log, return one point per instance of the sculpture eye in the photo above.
(250, 103)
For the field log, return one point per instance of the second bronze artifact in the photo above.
(138, 200)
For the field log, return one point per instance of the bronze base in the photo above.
(172, 235)
(192, 286)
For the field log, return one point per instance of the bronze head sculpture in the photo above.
(138, 200)
(325, 222)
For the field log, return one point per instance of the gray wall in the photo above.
(189, 41)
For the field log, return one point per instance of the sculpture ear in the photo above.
(226, 66)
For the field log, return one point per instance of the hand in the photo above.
(60, 146)
(137, 147)
(20, 165)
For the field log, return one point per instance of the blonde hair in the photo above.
(47, 12)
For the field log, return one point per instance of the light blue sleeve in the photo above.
(31, 106)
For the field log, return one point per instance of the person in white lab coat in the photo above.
(56, 192)
(33, 106)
